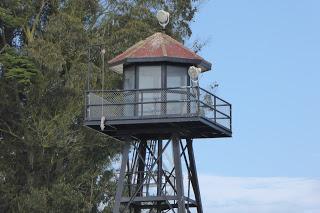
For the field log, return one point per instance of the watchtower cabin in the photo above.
(158, 112)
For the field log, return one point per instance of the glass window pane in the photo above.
(150, 78)
(176, 77)
(129, 96)
(129, 78)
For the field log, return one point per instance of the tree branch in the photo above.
(3, 37)
(10, 133)
(3, 48)
(29, 32)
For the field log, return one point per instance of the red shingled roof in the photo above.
(159, 47)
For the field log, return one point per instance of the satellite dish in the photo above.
(194, 73)
(163, 18)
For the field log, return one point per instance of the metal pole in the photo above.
(159, 179)
(86, 99)
(178, 171)
(215, 108)
(120, 184)
(230, 119)
(141, 169)
(89, 68)
(194, 176)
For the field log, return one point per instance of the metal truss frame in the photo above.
(145, 184)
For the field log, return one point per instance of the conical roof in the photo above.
(158, 47)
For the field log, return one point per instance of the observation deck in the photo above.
(192, 112)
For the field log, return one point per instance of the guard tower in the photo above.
(158, 113)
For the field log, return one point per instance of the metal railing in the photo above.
(157, 103)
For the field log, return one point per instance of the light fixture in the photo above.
(194, 73)
(163, 18)
(102, 126)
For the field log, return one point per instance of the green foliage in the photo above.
(9, 19)
(18, 67)
(49, 162)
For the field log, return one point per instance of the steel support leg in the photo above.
(120, 184)
(159, 176)
(178, 171)
(194, 176)
(147, 168)
(141, 169)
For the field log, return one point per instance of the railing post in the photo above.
(85, 105)
(188, 101)
(164, 104)
(215, 108)
(88, 103)
(198, 101)
(141, 104)
(135, 105)
(230, 117)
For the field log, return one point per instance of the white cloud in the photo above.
(259, 195)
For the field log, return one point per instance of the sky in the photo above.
(266, 59)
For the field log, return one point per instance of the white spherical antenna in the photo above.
(163, 18)
(194, 73)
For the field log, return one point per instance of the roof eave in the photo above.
(203, 64)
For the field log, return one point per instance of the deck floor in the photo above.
(162, 128)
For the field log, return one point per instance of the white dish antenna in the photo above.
(163, 18)
(194, 73)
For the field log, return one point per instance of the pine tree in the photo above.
(49, 162)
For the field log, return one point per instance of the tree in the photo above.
(49, 162)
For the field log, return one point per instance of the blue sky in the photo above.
(266, 59)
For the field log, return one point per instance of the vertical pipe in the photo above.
(86, 100)
(102, 52)
(89, 68)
